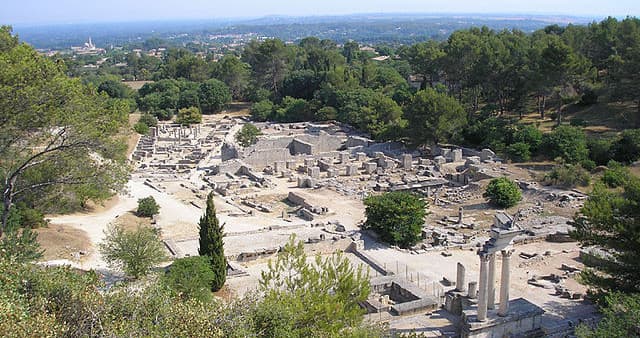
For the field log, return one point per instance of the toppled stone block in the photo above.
(446, 282)
(487, 155)
(569, 268)
(472, 160)
(439, 160)
(324, 164)
(370, 167)
(305, 182)
(389, 164)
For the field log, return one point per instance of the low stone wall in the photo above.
(408, 297)
(380, 268)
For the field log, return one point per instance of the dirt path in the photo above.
(172, 213)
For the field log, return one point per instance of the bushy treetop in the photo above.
(397, 217)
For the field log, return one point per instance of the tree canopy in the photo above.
(434, 117)
(61, 140)
(135, 252)
(397, 217)
(503, 192)
(297, 295)
(248, 135)
(609, 220)
(214, 95)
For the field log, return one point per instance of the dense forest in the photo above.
(479, 88)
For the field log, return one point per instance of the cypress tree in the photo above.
(211, 244)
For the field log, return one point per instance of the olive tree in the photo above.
(135, 251)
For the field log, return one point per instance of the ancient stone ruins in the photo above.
(309, 180)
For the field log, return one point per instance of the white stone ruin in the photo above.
(407, 161)
(501, 237)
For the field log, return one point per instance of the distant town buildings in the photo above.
(88, 49)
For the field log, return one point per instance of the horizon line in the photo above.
(240, 19)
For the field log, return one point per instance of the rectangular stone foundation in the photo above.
(523, 320)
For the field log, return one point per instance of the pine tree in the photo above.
(610, 220)
(211, 244)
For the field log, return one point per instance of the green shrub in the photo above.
(163, 114)
(262, 110)
(134, 252)
(600, 150)
(627, 148)
(397, 217)
(147, 207)
(141, 128)
(489, 132)
(190, 278)
(23, 216)
(568, 143)
(588, 164)
(293, 110)
(616, 175)
(20, 245)
(188, 116)
(149, 120)
(503, 192)
(311, 300)
(577, 122)
(519, 152)
(568, 175)
(248, 135)
(529, 135)
(326, 113)
(258, 94)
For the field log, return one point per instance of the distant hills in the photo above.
(364, 28)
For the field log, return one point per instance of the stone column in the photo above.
(473, 290)
(460, 283)
(504, 283)
(482, 292)
(491, 284)
(460, 215)
(407, 160)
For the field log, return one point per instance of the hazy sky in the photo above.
(75, 11)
